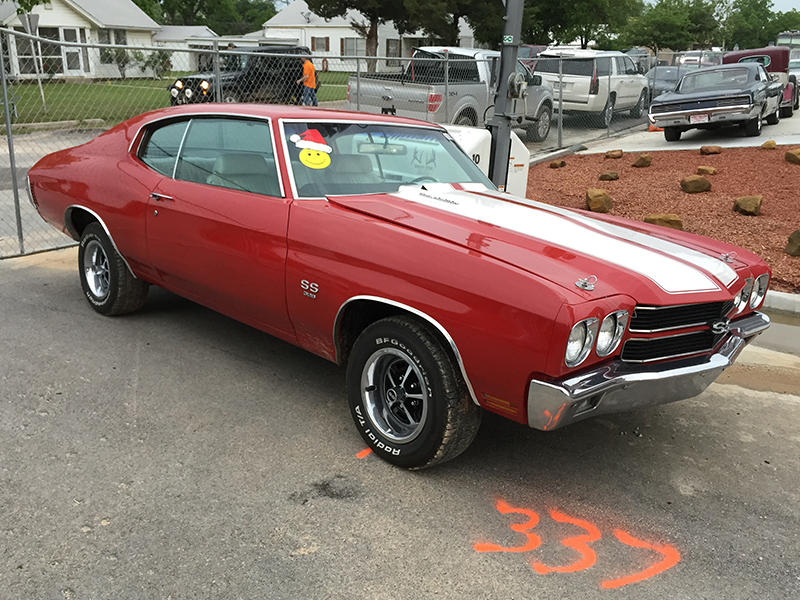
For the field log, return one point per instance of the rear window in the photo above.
(574, 66)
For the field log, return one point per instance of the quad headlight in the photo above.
(580, 342)
(610, 333)
(743, 297)
(204, 84)
(759, 290)
(178, 84)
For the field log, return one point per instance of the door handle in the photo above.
(161, 197)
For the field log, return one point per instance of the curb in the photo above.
(782, 302)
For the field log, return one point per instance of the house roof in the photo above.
(179, 33)
(120, 14)
(297, 14)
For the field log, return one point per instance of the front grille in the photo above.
(652, 319)
(647, 350)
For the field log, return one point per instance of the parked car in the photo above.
(742, 94)
(642, 58)
(527, 53)
(374, 241)
(595, 82)
(661, 80)
(775, 60)
(794, 68)
(699, 58)
(464, 97)
(266, 74)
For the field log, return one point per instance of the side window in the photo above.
(630, 68)
(603, 66)
(230, 153)
(619, 61)
(160, 150)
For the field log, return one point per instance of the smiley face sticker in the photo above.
(314, 152)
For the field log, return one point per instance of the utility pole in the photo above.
(500, 124)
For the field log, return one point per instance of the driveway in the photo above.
(175, 453)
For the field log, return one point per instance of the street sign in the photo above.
(507, 39)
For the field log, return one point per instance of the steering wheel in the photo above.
(424, 178)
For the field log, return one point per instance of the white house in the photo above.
(334, 38)
(84, 21)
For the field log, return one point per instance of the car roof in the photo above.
(779, 57)
(275, 111)
(471, 52)
(579, 52)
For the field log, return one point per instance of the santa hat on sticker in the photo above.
(312, 140)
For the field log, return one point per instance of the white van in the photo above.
(594, 81)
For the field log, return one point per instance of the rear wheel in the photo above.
(787, 111)
(108, 285)
(672, 134)
(775, 117)
(753, 127)
(607, 114)
(638, 110)
(231, 97)
(465, 120)
(407, 397)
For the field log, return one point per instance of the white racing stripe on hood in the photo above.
(671, 275)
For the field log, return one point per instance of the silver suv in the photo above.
(596, 82)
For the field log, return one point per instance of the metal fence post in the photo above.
(217, 80)
(11, 159)
(560, 101)
(446, 87)
(358, 83)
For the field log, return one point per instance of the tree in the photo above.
(788, 21)
(152, 8)
(585, 20)
(666, 24)
(375, 13)
(747, 24)
(704, 26)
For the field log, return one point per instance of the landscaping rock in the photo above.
(748, 205)
(609, 176)
(557, 164)
(705, 150)
(644, 160)
(598, 200)
(769, 145)
(614, 154)
(793, 247)
(670, 220)
(694, 184)
(706, 171)
(793, 156)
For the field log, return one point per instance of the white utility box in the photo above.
(477, 143)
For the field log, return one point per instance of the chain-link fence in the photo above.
(57, 94)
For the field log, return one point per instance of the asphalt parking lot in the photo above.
(175, 453)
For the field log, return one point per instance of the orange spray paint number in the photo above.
(580, 543)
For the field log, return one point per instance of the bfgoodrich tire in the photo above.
(672, 134)
(107, 283)
(407, 397)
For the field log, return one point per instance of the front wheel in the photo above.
(775, 117)
(407, 398)
(540, 130)
(107, 283)
(231, 97)
(787, 111)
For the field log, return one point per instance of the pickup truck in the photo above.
(464, 97)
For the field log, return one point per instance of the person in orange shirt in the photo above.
(309, 81)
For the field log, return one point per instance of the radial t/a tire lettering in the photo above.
(407, 397)
(107, 284)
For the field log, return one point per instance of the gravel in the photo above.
(656, 189)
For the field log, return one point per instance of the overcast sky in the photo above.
(785, 5)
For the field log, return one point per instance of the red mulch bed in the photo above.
(656, 189)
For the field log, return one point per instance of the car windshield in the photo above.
(794, 64)
(666, 73)
(233, 62)
(334, 158)
(714, 78)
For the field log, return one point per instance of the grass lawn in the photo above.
(114, 101)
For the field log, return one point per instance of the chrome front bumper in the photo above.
(727, 114)
(620, 387)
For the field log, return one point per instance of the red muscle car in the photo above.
(375, 242)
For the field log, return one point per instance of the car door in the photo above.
(774, 91)
(216, 226)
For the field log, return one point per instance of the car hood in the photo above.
(702, 95)
(210, 77)
(565, 246)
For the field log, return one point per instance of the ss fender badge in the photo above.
(309, 289)
(719, 327)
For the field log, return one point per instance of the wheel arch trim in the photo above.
(76, 236)
(450, 341)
